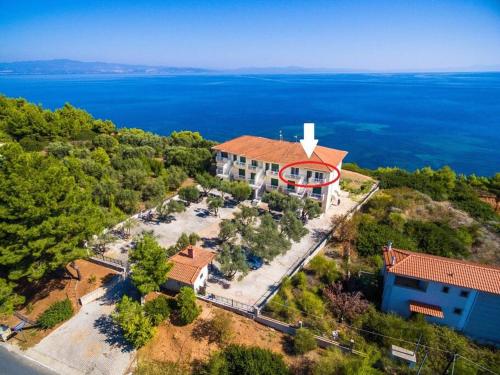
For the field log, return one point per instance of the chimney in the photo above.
(393, 260)
(389, 245)
(190, 251)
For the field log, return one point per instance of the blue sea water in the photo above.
(405, 120)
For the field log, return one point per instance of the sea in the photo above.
(382, 120)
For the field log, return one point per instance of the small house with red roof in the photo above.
(190, 268)
(452, 292)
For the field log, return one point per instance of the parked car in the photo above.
(254, 262)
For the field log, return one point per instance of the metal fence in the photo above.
(123, 264)
(229, 302)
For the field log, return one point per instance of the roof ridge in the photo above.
(447, 260)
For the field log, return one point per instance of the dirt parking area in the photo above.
(196, 219)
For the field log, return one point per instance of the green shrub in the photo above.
(157, 310)
(304, 341)
(136, 326)
(242, 360)
(56, 313)
(189, 193)
(324, 268)
(186, 303)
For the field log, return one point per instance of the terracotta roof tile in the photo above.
(424, 308)
(456, 272)
(186, 268)
(282, 152)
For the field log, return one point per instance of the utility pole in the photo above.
(422, 363)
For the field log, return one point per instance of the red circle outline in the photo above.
(280, 174)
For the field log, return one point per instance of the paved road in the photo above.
(13, 364)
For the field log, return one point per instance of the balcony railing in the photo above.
(270, 172)
(273, 187)
(252, 167)
(297, 192)
(240, 163)
(239, 177)
(294, 176)
(317, 180)
(316, 196)
(255, 182)
(223, 172)
(221, 159)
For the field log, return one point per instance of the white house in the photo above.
(258, 161)
(190, 268)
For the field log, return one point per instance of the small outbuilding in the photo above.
(190, 268)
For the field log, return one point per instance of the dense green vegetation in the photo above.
(150, 266)
(325, 298)
(65, 176)
(188, 309)
(158, 309)
(383, 219)
(441, 184)
(56, 313)
(243, 360)
(136, 325)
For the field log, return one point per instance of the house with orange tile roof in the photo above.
(190, 268)
(258, 161)
(452, 292)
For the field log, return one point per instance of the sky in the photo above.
(337, 34)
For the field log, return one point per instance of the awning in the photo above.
(424, 308)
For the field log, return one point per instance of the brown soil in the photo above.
(179, 344)
(354, 176)
(55, 290)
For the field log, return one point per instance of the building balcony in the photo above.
(272, 173)
(295, 177)
(297, 192)
(220, 159)
(315, 180)
(223, 172)
(272, 187)
(255, 182)
(240, 163)
(318, 197)
(253, 167)
(239, 177)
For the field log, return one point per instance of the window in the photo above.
(309, 174)
(457, 311)
(445, 289)
(294, 171)
(408, 282)
(223, 155)
(243, 159)
(241, 172)
(317, 190)
(252, 176)
(235, 158)
(274, 182)
(290, 188)
(275, 167)
(464, 293)
(267, 166)
(318, 175)
(254, 163)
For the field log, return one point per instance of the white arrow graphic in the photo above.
(309, 143)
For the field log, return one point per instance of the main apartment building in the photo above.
(258, 161)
